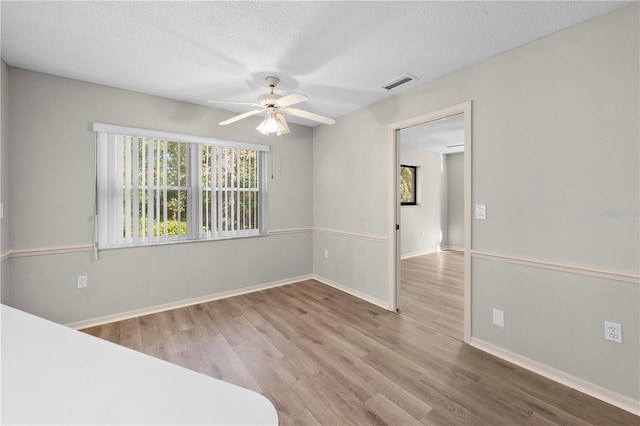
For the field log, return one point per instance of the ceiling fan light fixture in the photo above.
(273, 103)
(274, 123)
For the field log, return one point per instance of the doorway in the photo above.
(432, 226)
(422, 252)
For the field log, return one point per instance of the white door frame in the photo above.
(394, 203)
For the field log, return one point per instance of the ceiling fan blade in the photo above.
(241, 116)
(310, 115)
(235, 103)
(291, 99)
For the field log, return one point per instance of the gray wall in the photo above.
(555, 158)
(455, 200)
(349, 198)
(51, 169)
(555, 152)
(437, 222)
(424, 226)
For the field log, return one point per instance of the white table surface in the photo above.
(51, 374)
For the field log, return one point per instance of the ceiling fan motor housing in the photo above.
(268, 99)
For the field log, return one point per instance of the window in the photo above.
(408, 185)
(156, 187)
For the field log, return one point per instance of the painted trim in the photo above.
(351, 235)
(121, 316)
(419, 253)
(431, 251)
(393, 164)
(182, 303)
(607, 395)
(573, 382)
(393, 215)
(467, 109)
(51, 250)
(289, 231)
(610, 274)
(452, 248)
(351, 291)
(88, 247)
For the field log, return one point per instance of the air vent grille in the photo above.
(403, 79)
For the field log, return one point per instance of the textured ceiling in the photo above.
(337, 53)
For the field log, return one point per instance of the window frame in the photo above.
(414, 192)
(106, 229)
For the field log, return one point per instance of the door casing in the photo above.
(393, 226)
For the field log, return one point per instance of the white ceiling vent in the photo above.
(402, 80)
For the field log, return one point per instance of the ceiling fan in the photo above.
(275, 104)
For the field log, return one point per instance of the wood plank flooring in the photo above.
(325, 357)
(432, 291)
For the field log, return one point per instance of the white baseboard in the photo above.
(419, 253)
(121, 316)
(624, 402)
(78, 325)
(349, 290)
(453, 248)
(607, 395)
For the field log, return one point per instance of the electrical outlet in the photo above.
(613, 331)
(326, 254)
(82, 281)
(498, 317)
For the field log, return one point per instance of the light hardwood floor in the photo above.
(325, 357)
(432, 291)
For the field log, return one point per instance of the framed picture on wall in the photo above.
(408, 185)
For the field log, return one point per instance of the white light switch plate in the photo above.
(481, 211)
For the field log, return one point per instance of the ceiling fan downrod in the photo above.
(272, 82)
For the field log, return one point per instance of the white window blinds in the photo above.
(156, 187)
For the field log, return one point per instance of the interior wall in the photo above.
(455, 201)
(555, 159)
(423, 226)
(52, 201)
(349, 205)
